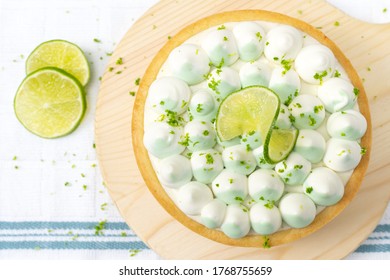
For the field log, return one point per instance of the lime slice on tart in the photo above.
(251, 109)
(279, 144)
(50, 102)
(61, 54)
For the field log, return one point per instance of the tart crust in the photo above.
(147, 170)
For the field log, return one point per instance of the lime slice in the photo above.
(250, 109)
(50, 103)
(60, 54)
(279, 144)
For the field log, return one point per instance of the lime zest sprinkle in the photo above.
(287, 64)
(222, 27)
(96, 40)
(270, 204)
(309, 190)
(100, 227)
(266, 243)
(337, 74)
(356, 91)
(119, 61)
(209, 159)
(258, 35)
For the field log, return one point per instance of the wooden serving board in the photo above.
(366, 47)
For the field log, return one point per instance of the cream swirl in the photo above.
(236, 223)
(193, 196)
(206, 165)
(286, 84)
(190, 63)
(250, 40)
(342, 155)
(230, 187)
(311, 145)
(282, 43)
(297, 210)
(265, 184)
(324, 186)
(162, 140)
(255, 74)
(223, 81)
(337, 94)
(174, 171)
(239, 158)
(315, 64)
(199, 135)
(213, 213)
(349, 124)
(265, 219)
(168, 93)
(203, 106)
(220, 46)
(307, 112)
(294, 169)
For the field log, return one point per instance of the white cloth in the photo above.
(52, 198)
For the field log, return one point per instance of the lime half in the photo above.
(50, 103)
(279, 144)
(250, 109)
(61, 54)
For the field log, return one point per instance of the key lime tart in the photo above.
(252, 128)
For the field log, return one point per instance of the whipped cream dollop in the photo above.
(342, 155)
(239, 158)
(282, 43)
(206, 165)
(162, 140)
(199, 135)
(297, 210)
(324, 186)
(203, 105)
(174, 171)
(223, 81)
(193, 196)
(236, 223)
(315, 64)
(265, 185)
(311, 145)
(220, 46)
(255, 73)
(213, 213)
(349, 125)
(307, 112)
(190, 63)
(285, 83)
(169, 93)
(265, 218)
(294, 169)
(250, 37)
(337, 94)
(230, 187)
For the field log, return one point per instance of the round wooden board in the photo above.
(364, 44)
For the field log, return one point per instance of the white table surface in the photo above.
(40, 217)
